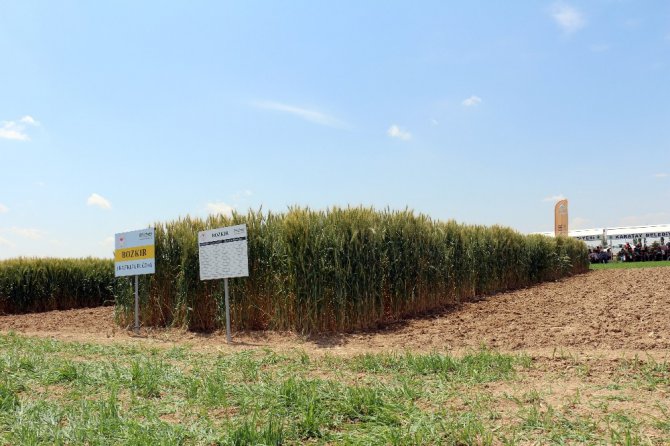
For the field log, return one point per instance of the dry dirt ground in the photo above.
(599, 345)
(605, 311)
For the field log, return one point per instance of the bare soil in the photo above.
(607, 311)
(590, 338)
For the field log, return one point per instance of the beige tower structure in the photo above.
(561, 218)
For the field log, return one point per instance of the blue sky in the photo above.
(114, 115)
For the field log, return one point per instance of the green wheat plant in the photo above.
(341, 269)
(43, 284)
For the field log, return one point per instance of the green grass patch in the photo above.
(55, 392)
(626, 265)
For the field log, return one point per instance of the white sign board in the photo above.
(223, 253)
(134, 253)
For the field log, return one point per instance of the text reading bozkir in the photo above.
(130, 253)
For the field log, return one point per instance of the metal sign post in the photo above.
(137, 304)
(223, 255)
(134, 254)
(225, 287)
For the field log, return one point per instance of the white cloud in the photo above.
(9, 130)
(5, 242)
(16, 130)
(314, 116)
(33, 234)
(3, 209)
(108, 242)
(554, 198)
(579, 223)
(220, 208)
(29, 120)
(568, 18)
(472, 101)
(98, 200)
(396, 132)
(661, 175)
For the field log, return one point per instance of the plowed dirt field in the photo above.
(605, 310)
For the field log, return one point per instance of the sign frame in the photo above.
(223, 253)
(135, 254)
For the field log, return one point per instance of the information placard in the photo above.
(223, 253)
(134, 253)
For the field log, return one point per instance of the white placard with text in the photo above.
(223, 253)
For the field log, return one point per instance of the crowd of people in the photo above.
(600, 255)
(641, 252)
(637, 252)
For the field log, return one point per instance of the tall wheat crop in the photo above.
(42, 284)
(341, 269)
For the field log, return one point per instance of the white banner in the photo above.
(639, 235)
